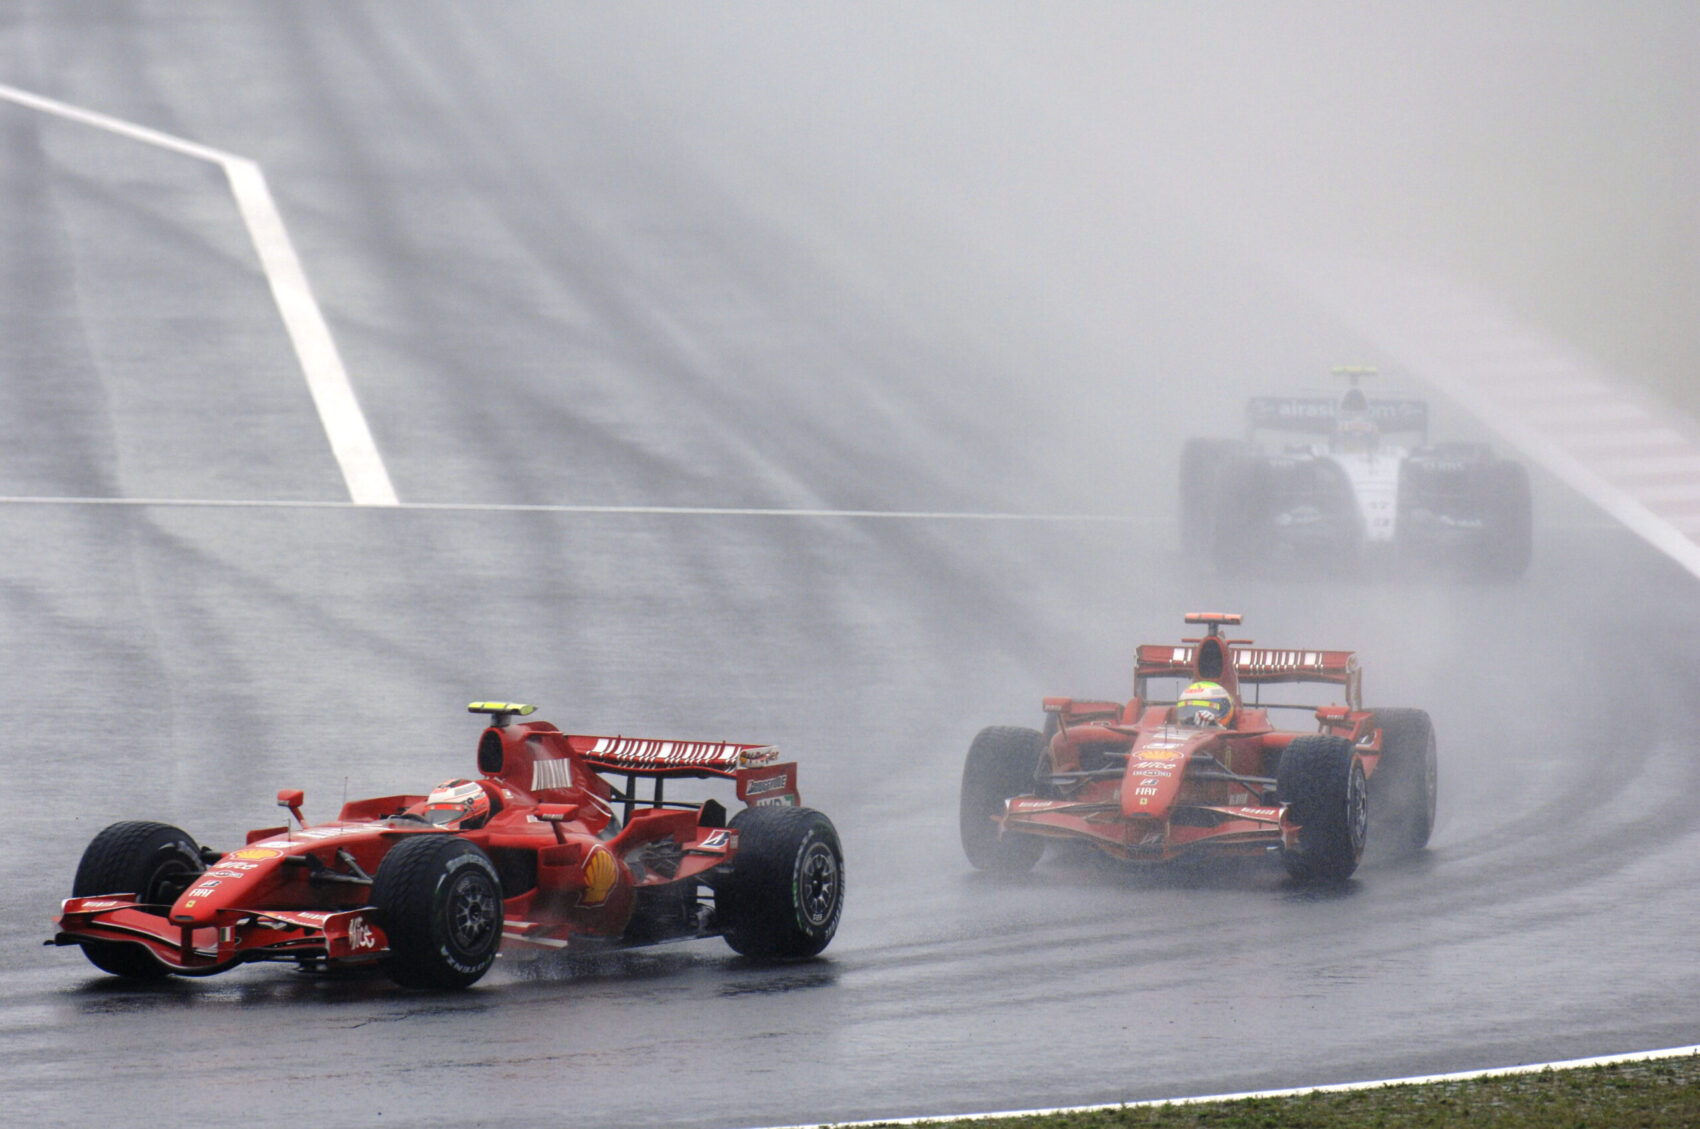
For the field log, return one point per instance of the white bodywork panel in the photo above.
(1375, 484)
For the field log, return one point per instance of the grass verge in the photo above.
(1643, 1095)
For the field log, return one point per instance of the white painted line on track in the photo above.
(327, 380)
(1253, 1095)
(345, 425)
(551, 508)
(111, 125)
(729, 511)
(1603, 524)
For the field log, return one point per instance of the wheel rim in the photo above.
(169, 878)
(1357, 807)
(472, 914)
(819, 884)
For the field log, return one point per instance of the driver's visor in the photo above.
(440, 814)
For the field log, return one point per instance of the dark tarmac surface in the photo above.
(581, 286)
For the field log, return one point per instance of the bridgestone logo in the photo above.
(760, 787)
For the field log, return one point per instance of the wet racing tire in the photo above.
(1003, 761)
(1322, 783)
(438, 900)
(1403, 790)
(783, 893)
(154, 861)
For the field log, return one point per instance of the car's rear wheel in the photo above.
(1406, 781)
(1003, 761)
(1322, 783)
(783, 893)
(154, 861)
(438, 900)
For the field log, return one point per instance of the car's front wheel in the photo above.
(1406, 781)
(1003, 761)
(153, 861)
(1321, 781)
(438, 899)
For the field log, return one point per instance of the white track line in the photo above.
(345, 425)
(549, 508)
(1296, 1092)
(327, 380)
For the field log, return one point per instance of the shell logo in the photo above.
(599, 875)
(255, 853)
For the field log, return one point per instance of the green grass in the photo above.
(1665, 1092)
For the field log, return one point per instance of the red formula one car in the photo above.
(1159, 778)
(538, 850)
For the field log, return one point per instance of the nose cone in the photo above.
(1148, 793)
(200, 903)
(1154, 773)
(220, 886)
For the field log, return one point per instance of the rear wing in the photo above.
(538, 757)
(762, 779)
(1255, 666)
(1317, 415)
(635, 756)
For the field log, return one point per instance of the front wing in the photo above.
(1140, 838)
(342, 937)
(238, 936)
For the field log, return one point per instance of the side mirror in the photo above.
(1334, 719)
(291, 798)
(555, 815)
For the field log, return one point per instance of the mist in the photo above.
(1088, 160)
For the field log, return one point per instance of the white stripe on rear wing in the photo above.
(636, 754)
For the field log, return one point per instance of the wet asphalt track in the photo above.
(550, 292)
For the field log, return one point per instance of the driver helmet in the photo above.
(1355, 431)
(458, 805)
(1205, 703)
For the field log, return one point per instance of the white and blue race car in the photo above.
(1361, 482)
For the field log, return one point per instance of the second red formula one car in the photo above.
(537, 850)
(1159, 778)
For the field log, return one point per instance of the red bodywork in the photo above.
(577, 857)
(1127, 780)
